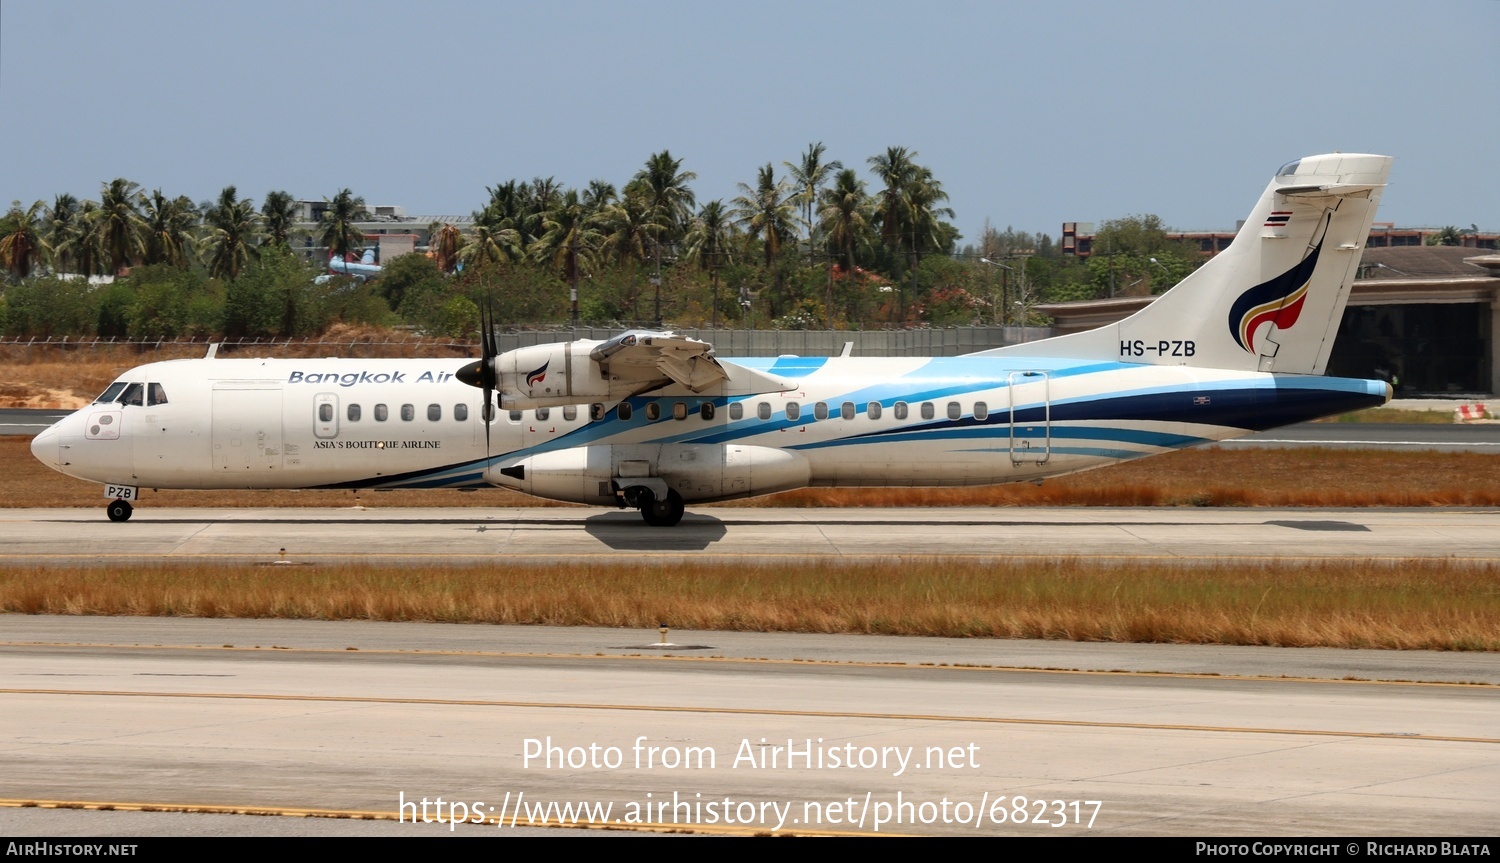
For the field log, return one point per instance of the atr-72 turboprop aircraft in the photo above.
(654, 421)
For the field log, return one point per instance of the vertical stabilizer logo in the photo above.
(538, 376)
(1278, 301)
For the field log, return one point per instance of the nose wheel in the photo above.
(119, 510)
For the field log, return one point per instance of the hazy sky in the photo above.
(1030, 114)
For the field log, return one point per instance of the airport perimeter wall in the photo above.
(946, 342)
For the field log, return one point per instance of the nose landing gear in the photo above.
(119, 510)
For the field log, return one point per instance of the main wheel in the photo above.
(664, 513)
(119, 510)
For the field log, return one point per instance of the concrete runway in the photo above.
(487, 536)
(345, 718)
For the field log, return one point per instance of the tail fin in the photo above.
(1272, 301)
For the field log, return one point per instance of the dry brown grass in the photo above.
(1199, 477)
(69, 376)
(1430, 604)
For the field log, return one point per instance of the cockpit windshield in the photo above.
(1288, 168)
(133, 394)
(110, 394)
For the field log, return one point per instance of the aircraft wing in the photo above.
(652, 360)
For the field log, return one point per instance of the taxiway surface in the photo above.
(352, 719)
(484, 536)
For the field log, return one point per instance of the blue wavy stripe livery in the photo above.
(1252, 408)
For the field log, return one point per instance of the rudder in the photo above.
(1272, 301)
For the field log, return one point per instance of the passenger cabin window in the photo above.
(793, 411)
(763, 411)
(653, 412)
(596, 412)
(543, 414)
(872, 410)
(110, 394)
(158, 396)
(434, 413)
(408, 413)
(706, 410)
(900, 410)
(981, 411)
(570, 412)
(515, 416)
(927, 411)
(847, 411)
(737, 411)
(955, 411)
(820, 411)
(132, 395)
(382, 413)
(325, 413)
(679, 410)
(461, 413)
(624, 410)
(352, 412)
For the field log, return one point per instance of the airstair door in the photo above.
(1030, 418)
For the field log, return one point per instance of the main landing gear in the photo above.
(658, 512)
(119, 510)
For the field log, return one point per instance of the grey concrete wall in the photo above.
(817, 343)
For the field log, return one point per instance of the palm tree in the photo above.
(665, 185)
(63, 229)
(630, 233)
(120, 224)
(233, 228)
(928, 232)
(279, 216)
(710, 243)
(87, 244)
(168, 227)
(340, 234)
(22, 246)
(666, 188)
(570, 240)
(895, 169)
(766, 211)
(846, 215)
(489, 244)
(444, 242)
(598, 195)
(808, 178)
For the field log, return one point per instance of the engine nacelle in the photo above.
(550, 375)
(698, 472)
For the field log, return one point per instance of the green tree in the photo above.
(21, 245)
(710, 244)
(1448, 235)
(340, 233)
(896, 169)
(168, 226)
(846, 216)
(808, 177)
(766, 211)
(233, 232)
(120, 225)
(278, 214)
(64, 229)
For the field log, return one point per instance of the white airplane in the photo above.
(654, 421)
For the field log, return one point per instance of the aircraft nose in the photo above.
(44, 447)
